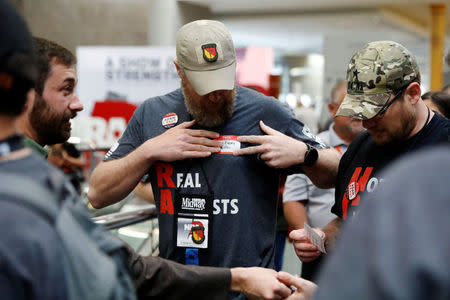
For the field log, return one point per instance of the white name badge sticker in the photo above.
(229, 144)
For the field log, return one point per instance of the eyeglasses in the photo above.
(397, 96)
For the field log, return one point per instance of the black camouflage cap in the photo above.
(373, 74)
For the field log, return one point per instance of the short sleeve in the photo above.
(296, 188)
(131, 138)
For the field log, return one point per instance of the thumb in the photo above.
(268, 130)
(297, 234)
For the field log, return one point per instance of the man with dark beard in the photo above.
(215, 209)
(47, 117)
(383, 90)
(32, 250)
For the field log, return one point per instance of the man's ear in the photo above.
(31, 95)
(332, 109)
(178, 68)
(413, 92)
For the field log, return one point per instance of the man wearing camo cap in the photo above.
(383, 90)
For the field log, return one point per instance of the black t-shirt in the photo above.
(397, 247)
(360, 165)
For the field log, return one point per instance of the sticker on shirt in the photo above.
(169, 120)
(352, 191)
(315, 238)
(229, 144)
(192, 233)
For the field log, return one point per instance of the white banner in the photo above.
(131, 74)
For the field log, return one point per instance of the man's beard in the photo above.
(210, 119)
(50, 127)
(408, 122)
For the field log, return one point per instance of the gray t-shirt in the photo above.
(244, 189)
(30, 252)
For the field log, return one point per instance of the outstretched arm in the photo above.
(113, 180)
(281, 151)
(165, 279)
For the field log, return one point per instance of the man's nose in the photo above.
(75, 103)
(215, 96)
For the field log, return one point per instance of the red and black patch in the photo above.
(210, 52)
(197, 232)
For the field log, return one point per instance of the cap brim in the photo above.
(205, 82)
(362, 107)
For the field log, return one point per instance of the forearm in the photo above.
(111, 181)
(145, 192)
(164, 279)
(331, 231)
(238, 277)
(323, 173)
(295, 213)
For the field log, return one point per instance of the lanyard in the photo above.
(199, 234)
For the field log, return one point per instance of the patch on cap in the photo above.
(210, 52)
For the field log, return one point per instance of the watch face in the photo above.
(311, 156)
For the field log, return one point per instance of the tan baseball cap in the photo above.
(374, 73)
(205, 51)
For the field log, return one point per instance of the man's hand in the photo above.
(258, 283)
(181, 142)
(304, 249)
(304, 288)
(276, 149)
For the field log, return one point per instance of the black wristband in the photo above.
(311, 156)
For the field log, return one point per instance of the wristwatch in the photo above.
(311, 156)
